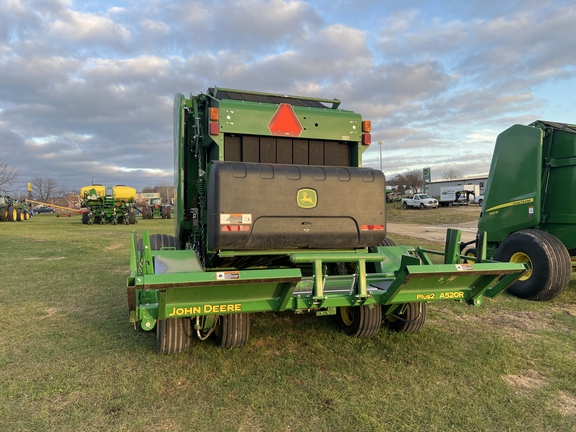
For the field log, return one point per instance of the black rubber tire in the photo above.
(232, 331)
(85, 218)
(12, 214)
(173, 335)
(132, 217)
(158, 241)
(26, 215)
(410, 321)
(404, 206)
(472, 252)
(360, 321)
(551, 265)
(480, 202)
(387, 242)
(421, 206)
(19, 215)
(3, 214)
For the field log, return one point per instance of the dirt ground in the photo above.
(437, 233)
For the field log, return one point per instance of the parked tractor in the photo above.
(100, 207)
(12, 209)
(274, 212)
(155, 208)
(528, 214)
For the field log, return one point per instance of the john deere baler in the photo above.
(274, 212)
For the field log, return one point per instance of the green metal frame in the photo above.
(402, 275)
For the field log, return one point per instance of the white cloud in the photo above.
(88, 28)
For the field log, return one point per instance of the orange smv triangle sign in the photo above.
(285, 122)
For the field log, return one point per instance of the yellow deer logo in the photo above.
(307, 198)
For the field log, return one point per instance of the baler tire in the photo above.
(387, 242)
(132, 217)
(360, 321)
(232, 331)
(404, 206)
(173, 335)
(471, 252)
(551, 267)
(410, 321)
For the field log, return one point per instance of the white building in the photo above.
(433, 188)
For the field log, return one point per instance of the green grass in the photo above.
(70, 360)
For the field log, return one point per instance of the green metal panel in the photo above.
(558, 209)
(254, 118)
(178, 119)
(512, 199)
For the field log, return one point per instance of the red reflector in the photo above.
(371, 227)
(285, 122)
(228, 228)
(214, 128)
(366, 139)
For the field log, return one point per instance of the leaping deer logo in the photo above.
(307, 198)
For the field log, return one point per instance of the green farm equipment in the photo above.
(12, 209)
(100, 207)
(528, 214)
(275, 213)
(156, 209)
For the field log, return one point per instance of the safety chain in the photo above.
(201, 249)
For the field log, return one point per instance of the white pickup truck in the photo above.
(421, 201)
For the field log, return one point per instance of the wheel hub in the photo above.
(521, 258)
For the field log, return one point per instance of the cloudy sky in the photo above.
(86, 88)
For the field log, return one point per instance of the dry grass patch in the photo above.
(526, 382)
(565, 403)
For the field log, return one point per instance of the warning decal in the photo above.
(235, 219)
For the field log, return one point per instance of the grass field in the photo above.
(70, 360)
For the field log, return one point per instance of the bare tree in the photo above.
(411, 179)
(166, 191)
(8, 175)
(47, 190)
(414, 179)
(452, 173)
(147, 189)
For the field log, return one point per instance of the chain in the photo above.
(201, 202)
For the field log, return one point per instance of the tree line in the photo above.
(48, 190)
(413, 179)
